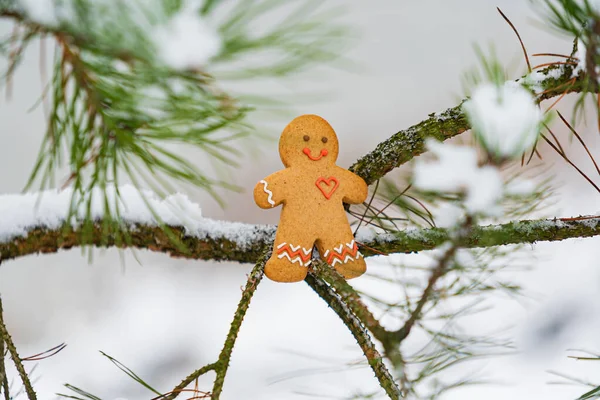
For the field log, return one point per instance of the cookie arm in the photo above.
(355, 188)
(268, 192)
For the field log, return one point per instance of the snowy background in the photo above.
(164, 317)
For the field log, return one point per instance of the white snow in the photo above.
(49, 209)
(46, 12)
(183, 41)
(186, 41)
(534, 80)
(520, 187)
(448, 215)
(457, 171)
(581, 54)
(505, 119)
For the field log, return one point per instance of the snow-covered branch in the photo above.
(408, 143)
(36, 223)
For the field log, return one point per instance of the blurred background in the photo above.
(165, 317)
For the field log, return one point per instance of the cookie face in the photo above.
(308, 140)
(312, 190)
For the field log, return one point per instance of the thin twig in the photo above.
(438, 271)
(583, 174)
(553, 55)
(352, 299)
(3, 377)
(518, 37)
(337, 304)
(46, 354)
(580, 141)
(189, 379)
(367, 207)
(15, 357)
(223, 363)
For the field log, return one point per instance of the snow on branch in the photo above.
(49, 210)
(182, 41)
(408, 143)
(37, 223)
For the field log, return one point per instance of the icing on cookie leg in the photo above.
(344, 257)
(290, 259)
(342, 254)
(294, 253)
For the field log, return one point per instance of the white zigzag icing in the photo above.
(348, 258)
(350, 245)
(289, 258)
(340, 248)
(270, 193)
(325, 255)
(358, 255)
(306, 251)
(281, 245)
(336, 260)
(294, 248)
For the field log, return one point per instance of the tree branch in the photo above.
(5, 337)
(250, 241)
(8, 9)
(223, 364)
(409, 143)
(347, 293)
(337, 304)
(440, 270)
(186, 381)
(4, 388)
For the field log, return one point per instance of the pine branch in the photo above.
(186, 381)
(4, 388)
(12, 350)
(254, 239)
(9, 10)
(223, 363)
(340, 288)
(438, 271)
(354, 324)
(347, 293)
(409, 143)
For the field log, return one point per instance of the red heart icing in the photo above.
(327, 186)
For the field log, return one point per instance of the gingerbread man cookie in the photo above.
(312, 190)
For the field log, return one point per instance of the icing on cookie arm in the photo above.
(354, 187)
(270, 191)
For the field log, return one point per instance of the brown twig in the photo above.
(177, 390)
(564, 156)
(222, 364)
(438, 271)
(12, 350)
(338, 304)
(580, 141)
(4, 388)
(518, 37)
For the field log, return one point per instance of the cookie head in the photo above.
(308, 140)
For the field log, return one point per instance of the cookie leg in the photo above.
(290, 259)
(343, 255)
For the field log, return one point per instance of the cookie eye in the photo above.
(324, 139)
(306, 138)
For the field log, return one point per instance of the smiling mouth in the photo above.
(322, 154)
